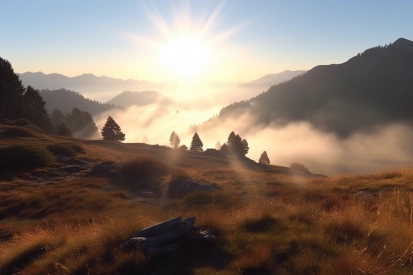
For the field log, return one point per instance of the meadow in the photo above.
(267, 219)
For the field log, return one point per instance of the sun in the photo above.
(187, 56)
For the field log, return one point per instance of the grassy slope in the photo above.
(267, 221)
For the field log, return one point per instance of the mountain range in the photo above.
(371, 89)
(101, 88)
(104, 88)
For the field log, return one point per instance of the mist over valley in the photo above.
(206, 137)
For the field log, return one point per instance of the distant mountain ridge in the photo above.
(103, 88)
(272, 79)
(127, 99)
(66, 100)
(87, 84)
(372, 89)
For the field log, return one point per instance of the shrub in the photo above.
(19, 122)
(298, 167)
(144, 168)
(16, 131)
(25, 124)
(262, 224)
(69, 149)
(16, 157)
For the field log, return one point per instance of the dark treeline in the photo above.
(17, 102)
(80, 123)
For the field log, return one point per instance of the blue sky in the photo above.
(246, 39)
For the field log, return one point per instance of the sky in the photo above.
(227, 41)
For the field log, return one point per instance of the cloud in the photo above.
(363, 152)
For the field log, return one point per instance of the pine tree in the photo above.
(57, 118)
(64, 130)
(237, 145)
(231, 138)
(174, 140)
(35, 109)
(111, 131)
(218, 146)
(196, 144)
(81, 123)
(244, 147)
(11, 93)
(264, 158)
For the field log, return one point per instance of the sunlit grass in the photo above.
(266, 223)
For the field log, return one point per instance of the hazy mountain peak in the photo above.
(368, 91)
(129, 98)
(403, 44)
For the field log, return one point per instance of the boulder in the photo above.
(165, 237)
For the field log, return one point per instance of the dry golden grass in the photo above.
(267, 222)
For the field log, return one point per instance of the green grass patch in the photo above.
(18, 157)
(70, 149)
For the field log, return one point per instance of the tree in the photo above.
(35, 109)
(237, 145)
(64, 130)
(11, 93)
(218, 146)
(225, 149)
(244, 147)
(57, 118)
(196, 144)
(111, 131)
(231, 138)
(264, 158)
(81, 123)
(183, 147)
(174, 140)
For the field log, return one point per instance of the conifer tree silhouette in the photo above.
(264, 158)
(111, 131)
(174, 140)
(64, 130)
(196, 144)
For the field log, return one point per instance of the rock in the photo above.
(61, 158)
(78, 162)
(165, 237)
(106, 169)
(206, 235)
(185, 186)
(72, 169)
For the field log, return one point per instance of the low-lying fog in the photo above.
(384, 148)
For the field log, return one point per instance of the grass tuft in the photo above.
(263, 224)
(69, 149)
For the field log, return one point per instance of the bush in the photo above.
(298, 167)
(69, 149)
(25, 124)
(16, 131)
(144, 168)
(19, 122)
(15, 157)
